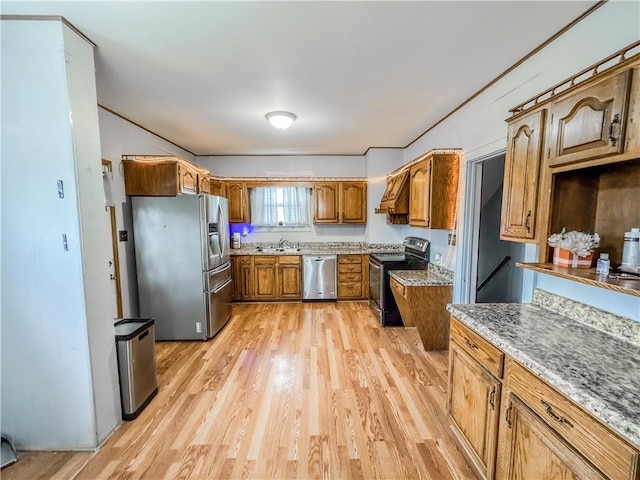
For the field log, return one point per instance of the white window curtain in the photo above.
(296, 209)
(279, 206)
(264, 207)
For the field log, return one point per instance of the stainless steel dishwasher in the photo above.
(319, 277)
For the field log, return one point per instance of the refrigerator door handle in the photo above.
(222, 268)
(220, 287)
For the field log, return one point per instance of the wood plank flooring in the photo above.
(286, 390)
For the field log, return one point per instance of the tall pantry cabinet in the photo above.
(57, 312)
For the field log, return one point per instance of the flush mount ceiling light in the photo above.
(281, 120)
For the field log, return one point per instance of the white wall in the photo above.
(285, 166)
(379, 163)
(119, 137)
(55, 356)
(479, 127)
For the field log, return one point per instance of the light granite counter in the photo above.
(418, 278)
(318, 248)
(598, 369)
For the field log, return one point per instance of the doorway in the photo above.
(114, 263)
(493, 276)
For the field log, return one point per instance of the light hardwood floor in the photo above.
(286, 390)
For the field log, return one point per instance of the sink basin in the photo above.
(278, 250)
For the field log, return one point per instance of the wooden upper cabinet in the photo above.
(238, 203)
(353, 202)
(326, 198)
(163, 177)
(217, 187)
(521, 178)
(590, 123)
(420, 183)
(433, 190)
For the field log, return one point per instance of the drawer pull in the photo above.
(507, 415)
(554, 415)
(492, 396)
(470, 344)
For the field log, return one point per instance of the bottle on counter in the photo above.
(603, 264)
(630, 255)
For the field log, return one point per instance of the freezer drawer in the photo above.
(319, 277)
(135, 348)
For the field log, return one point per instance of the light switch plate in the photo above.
(452, 239)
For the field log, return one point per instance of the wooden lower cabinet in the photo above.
(267, 277)
(474, 409)
(264, 269)
(532, 450)
(288, 275)
(353, 277)
(538, 433)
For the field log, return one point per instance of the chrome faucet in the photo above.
(284, 243)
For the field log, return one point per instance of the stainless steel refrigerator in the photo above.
(183, 264)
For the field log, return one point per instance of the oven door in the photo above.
(376, 286)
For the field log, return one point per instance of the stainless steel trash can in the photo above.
(135, 346)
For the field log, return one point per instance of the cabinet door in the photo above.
(521, 175)
(591, 123)
(530, 449)
(264, 269)
(325, 202)
(187, 180)
(419, 192)
(217, 187)
(474, 396)
(237, 194)
(443, 191)
(289, 281)
(353, 202)
(244, 278)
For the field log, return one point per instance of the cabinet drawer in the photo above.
(264, 260)
(289, 260)
(489, 356)
(244, 260)
(349, 267)
(349, 277)
(614, 457)
(349, 258)
(349, 290)
(398, 288)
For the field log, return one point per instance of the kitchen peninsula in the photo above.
(574, 366)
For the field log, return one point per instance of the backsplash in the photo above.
(441, 271)
(621, 327)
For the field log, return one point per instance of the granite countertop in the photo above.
(319, 248)
(595, 368)
(419, 278)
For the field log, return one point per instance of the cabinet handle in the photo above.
(614, 129)
(554, 415)
(527, 221)
(491, 398)
(507, 415)
(470, 344)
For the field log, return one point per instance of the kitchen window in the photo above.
(280, 208)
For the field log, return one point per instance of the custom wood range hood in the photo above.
(395, 200)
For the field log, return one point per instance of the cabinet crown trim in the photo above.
(617, 60)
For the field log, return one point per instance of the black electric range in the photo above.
(381, 300)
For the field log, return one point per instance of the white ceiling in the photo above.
(357, 74)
